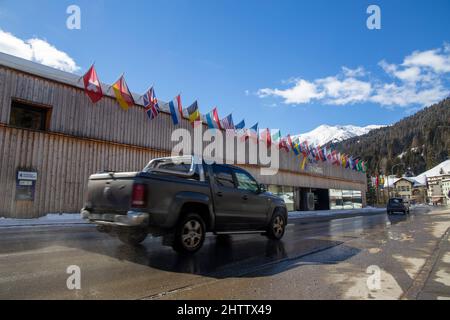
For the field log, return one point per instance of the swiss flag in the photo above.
(92, 85)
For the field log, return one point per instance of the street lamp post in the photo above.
(392, 170)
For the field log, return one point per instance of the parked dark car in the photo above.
(182, 199)
(397, 205)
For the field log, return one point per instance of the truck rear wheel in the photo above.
(132, 236)
(277, 226)
(189, 234)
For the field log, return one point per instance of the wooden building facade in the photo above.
(77, 138)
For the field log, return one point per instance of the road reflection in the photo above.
(397, 218)
(221, 255)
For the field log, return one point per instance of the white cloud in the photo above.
(15, 46)
(405, 95)
(438, 60)
(421, 79)
(412, 74)
(358, 72)
(333, 90)
(36, 50)
(302, 92)
(45, 53)
(346, 91)
(387, 67)
(408, 74)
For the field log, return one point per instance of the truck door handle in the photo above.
(219, 194)
(245, 197)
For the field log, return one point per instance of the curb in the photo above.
(413, 292)
(50, 224)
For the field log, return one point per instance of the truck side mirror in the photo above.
(262, 188)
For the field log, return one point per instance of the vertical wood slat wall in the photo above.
(85, 138)
(74, 114)
(63, 164)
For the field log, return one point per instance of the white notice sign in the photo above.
(27, 175)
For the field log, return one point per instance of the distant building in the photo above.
(436, 192)
(403, 188)
(432, 186)
(409, 189)
(419, 193)
(446, 190)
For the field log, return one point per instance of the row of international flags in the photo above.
(310, 153)
(378, 181)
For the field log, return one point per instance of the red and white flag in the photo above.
(265, 136)
(92, 85)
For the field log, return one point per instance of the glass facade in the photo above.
(345, 199)
(287, 193)
(338, 199)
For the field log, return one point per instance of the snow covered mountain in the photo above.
(325, 133)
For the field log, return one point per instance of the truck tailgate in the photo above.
(110, 192)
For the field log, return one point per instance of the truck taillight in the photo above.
(138, 197)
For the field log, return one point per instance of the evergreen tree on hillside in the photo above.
(420, 142)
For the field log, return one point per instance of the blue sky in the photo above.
(276, 62)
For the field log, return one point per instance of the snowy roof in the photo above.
(420, 180)
(413, 180)
(436, 171)
(389, 181)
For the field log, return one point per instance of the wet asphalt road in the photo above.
(33, 261)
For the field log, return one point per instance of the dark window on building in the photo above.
(223, 176)
(29, 116)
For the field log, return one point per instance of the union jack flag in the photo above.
(151, 106)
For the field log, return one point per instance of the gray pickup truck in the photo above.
(182, 199)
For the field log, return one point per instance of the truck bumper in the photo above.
(131, 219)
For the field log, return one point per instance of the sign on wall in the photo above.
(25, 185)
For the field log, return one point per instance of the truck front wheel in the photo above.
(132, 236)
(189, 234)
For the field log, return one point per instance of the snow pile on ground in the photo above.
(49, 219)
(328, 213)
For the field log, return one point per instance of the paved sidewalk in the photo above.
(437, 284)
